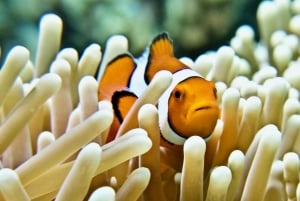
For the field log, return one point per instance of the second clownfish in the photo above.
(188, 107)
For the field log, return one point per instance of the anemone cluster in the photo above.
(53, 129)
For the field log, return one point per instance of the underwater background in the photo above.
(195, 25)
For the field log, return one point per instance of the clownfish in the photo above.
(189, 105)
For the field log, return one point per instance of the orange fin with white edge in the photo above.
(117, 73)
(122, 101)
(161, 57)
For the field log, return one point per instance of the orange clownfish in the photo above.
(188, 107)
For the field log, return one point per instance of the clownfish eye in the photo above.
(177, 94)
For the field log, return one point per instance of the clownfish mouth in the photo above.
(203, 108)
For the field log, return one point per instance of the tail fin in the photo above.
(117, 74)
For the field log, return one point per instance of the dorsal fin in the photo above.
(118, 72)
(161, 57)
(162, 45)
(122, 101)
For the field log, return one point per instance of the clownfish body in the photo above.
(189, 105)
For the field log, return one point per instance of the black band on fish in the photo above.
(116, 101)
(166, 130)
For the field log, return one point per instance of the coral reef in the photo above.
(53, 129)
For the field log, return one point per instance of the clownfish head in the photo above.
(189, 107)
(193, 108)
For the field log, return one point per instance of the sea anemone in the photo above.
(53, 129)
